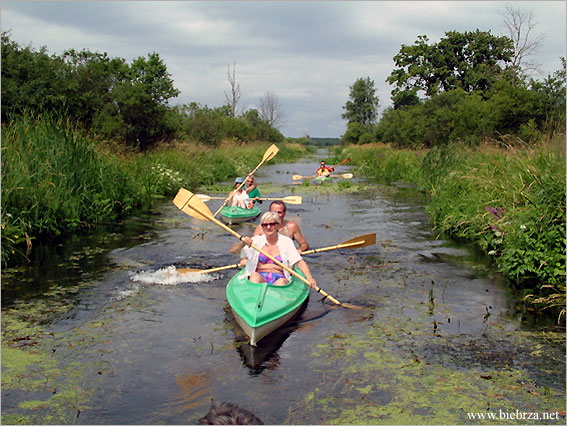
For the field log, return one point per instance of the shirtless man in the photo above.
(287, 227)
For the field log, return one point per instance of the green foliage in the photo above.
(508, 202)
(382, 163)
(362, 107)
(505, 112)
(468, 61)
(56, 181)
(117, 101)
(358, 133)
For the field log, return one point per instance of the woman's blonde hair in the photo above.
(269, 217)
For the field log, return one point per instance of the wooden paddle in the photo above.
(268, 155)
(206, 271)
(357, 242)
(290, 199)
(344, 175)
(345, 161)
(188, 203)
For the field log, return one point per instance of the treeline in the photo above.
(468, 88)
(115, 100)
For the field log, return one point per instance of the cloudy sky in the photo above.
(307, 53)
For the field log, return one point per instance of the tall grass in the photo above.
(509, 202)
(56, 180)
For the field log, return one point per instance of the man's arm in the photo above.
(297, 235)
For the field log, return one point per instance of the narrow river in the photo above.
(439, 340)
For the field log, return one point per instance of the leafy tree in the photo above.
(31, 80)
(404, 98)
(89, 83)
(362, 107)
(469, 61)
(142, 98)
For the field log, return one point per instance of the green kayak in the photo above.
(322, 179)
(232, 215)
(260, 309)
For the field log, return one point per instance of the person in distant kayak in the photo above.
(285, 227)
(324, 170)
(238, 197)
(262, 269)
(252, 190)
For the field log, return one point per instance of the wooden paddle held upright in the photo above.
(268, 155)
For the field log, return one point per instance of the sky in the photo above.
(306, 53)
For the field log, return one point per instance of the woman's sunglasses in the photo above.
(265, 225)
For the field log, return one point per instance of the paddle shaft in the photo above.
(344, 175)
(206, 271)
(345, 161)
(338, 246)
(292, 199)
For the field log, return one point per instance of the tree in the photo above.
(520, 25)
(271, 110)
(469, 61)
(31, 80)
(363, 104)
(142, 98)
(235, 94)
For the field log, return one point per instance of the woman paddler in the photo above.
(260, 268)
(238, 195)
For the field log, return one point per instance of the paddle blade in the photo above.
(345, 161)
(361, 241)
(346, 175)
(270, 153)
(189, 204)
(293, 199)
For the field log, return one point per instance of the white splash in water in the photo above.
(170, 276)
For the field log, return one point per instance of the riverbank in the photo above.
(57, 180)
(507, 201)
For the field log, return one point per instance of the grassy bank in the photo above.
(509, 202)
(56, 180)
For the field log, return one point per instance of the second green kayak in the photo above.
(232, 215)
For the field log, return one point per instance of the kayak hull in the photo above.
(259, 309)
(233, 215)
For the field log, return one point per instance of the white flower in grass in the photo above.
(523, 227)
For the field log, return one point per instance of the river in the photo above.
(440, 339)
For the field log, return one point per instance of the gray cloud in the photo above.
(307, 53)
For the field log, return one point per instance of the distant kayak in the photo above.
(232, 215)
